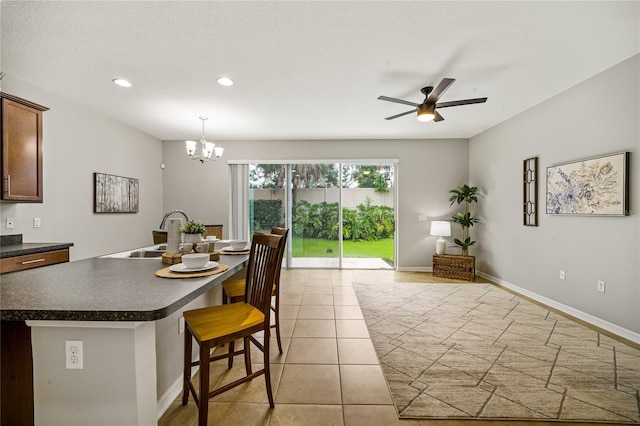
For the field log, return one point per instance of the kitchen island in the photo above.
(128, 321)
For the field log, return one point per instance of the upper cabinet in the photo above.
(21, 150)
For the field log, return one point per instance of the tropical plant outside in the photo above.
(368, 222)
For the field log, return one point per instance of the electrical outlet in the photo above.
(180, 325)
(601, 286)
(36, 222)
(9, 223)
(562, 274)
(423, 218)
(73, 354)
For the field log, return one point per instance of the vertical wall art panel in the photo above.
(115, 194)
(530, 191)
(594, 186)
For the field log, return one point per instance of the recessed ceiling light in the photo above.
(122, 82)
(225, 81)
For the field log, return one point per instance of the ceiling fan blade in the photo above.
(437, 116)
(400, 115)
(461, 102)
(398, 101)
(440, 89)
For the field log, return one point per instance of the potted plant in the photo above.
(464, 194)
(192, 230)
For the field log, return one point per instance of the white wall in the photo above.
(77, 143)
(426, 172)
(598, 116)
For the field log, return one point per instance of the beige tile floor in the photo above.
(329, 372)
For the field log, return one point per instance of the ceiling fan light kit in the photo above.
(426, 112)
(427, 109)
(207, 148)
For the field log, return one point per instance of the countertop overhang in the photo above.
(103, 289)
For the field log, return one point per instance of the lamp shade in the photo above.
(440, 228)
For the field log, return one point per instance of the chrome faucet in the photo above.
(164, 219)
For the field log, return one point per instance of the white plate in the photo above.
(181, 267)
(234, 250)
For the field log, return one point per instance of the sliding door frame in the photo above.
(288, 197)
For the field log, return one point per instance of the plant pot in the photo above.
(192, 238)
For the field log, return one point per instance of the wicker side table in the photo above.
(456, 267)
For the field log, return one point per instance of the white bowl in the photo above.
(212, 238)
(238, 244)
(195, 260)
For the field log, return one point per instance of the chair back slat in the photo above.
(261, 271)
(283, 232)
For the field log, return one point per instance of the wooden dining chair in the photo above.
(217, 325)
(213, 230)
(233, 291)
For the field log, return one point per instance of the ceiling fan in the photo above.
(427, 109)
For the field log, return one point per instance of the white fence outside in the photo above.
(351, 197)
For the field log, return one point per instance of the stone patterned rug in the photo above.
(477, 351)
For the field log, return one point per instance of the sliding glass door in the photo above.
(368, 216)
(340, 215)
(315, 215)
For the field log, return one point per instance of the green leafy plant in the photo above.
(466, 195)
(192, 227)
(263, 214)
(367, 222)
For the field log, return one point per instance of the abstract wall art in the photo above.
(594, 186)
(115, 194)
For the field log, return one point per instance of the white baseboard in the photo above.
(605, 325)
(171, 394)
(415, 269)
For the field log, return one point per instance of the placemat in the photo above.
(223, 251)
(167, 273)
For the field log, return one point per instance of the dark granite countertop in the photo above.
(102, 289)
(12, 246)
(31, 248)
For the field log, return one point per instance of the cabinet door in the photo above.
(21, 152)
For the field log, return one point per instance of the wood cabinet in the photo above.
(17, 374)
(456, 267)
(16, 358)
(21, 149)
(28, 261)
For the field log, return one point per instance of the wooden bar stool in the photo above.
(233, 290)
(216, 325)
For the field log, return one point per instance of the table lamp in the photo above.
(440, 228)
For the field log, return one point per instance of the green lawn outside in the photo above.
(315, 247)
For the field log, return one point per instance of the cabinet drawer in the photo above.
(28, 261)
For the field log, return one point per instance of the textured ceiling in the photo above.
(311, 70)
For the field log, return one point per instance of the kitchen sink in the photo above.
(146, 253)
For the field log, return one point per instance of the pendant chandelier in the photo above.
(207, 148)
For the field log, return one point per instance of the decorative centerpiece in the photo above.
(193, 231)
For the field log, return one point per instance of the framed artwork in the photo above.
(115, 194)
(530, 191)
(596, 186)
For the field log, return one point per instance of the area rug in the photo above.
(477, 351)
